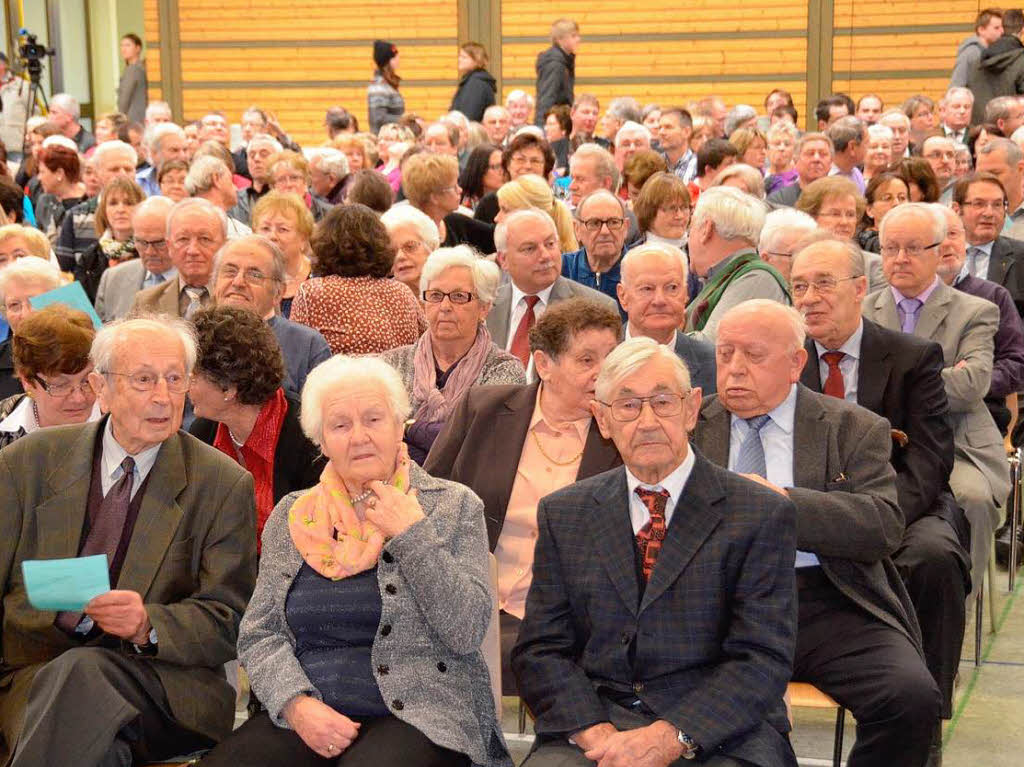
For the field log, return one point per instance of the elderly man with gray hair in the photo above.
(849, 140)
(623, 558)
(630, 138)
(724, 232)
(210, 179)
(918, 302)
(65, 113)
(139, 665)
(165, 141)
(782, 231)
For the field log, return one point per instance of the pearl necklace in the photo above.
(361, 497)
(238, 445)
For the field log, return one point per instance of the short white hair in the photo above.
(399, 216)
(518, 95)
(930, 212)
(531, 130)
(157, 204)
(516, 217)
(959, 90)
(202, 173)
(114, 147)
(457, 119)
(34, 270)
(661, 248)
(112, 336)
(495, 109)
(631, 355)
(159, 131)
(155, 107)
(630, 128)
(264, 138)
(879, 131)
(783, 126)
(604, 162)
(793, 318)
(340, 371)
(60, 140)
(278, 261)
(331, 161)
(485, 273)
(894, 114)
(65, 102)
(784, 221)
(197, 203)
(751, 177)
(735, 214)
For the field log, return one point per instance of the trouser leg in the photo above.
(972, 492)
(509, 634)
(870, 668)
(934, 567)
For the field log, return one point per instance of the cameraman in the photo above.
(13, 109)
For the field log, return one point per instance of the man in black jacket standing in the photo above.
(556, 68)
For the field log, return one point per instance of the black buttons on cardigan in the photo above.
(386, 556)
(390, 588)
(383, 669)
(397, 704)
(442, 667)
(385, 629)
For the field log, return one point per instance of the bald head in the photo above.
(828, 287)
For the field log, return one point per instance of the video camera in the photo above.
(32, 54)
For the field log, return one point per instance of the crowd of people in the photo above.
(725, 404)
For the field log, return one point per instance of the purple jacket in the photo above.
(1008, 365)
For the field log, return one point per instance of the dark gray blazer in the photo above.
(501, 311)
(845, 494)
(303, 348)
(437, 679)
(699, 356)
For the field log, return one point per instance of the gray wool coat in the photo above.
(435, 588)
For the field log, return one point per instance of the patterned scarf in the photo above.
(115, 250)
(329, 534)
(436, 405)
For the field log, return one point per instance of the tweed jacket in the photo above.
(437, 603)
(501, 313)
(159, 299)
(844, 490)
(965, 327)
(192, 557)
(707, 645)
(500, 368)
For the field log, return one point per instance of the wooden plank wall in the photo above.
(298, 57)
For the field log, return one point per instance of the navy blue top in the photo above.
(575, 267)
(334, 623)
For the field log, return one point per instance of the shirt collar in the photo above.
(963, 275)
(986, 248)
(673, 483)
(168, 275)
(851, 348)
(114, 454)
(22, 417)
(581, 425)
(782, 415)
(922, 297)
(518, 295)
(629, 334)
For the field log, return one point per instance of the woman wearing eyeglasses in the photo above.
(456, 351)
(51, 359)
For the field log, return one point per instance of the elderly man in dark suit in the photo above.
(136, 675)
(980, 200)
(249, 272)
(857, 637)
(528, 250)
(653, 294)
(898, 377)
(660, 622)
(919, 303)
(512, 445)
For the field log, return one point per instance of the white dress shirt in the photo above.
(980, 260)
(849, 365)
(674, 483)
(519, 309)
(671, 344)
(114, 455)
(777, 441)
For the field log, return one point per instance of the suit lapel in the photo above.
(810, 376)
(613, 534)
(506, 446)
(693, 520)
(933, 313)
(713, 432)
(158, 520)
(810, 432)
(873, 370)
(498, 318)
(64, 511)
(168, 301)
(560, 290)
(885, 310)
(998, 262)
(599, 454)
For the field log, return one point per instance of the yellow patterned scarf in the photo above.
(327, 531)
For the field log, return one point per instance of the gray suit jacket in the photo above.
(847, 512)
(873, 270)
(965, 327)
(440, 610)
(501, 311)
(192, 557)
(118, 286)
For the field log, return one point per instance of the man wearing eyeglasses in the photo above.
(139, 664)
(249, 273)
(918, 302)
(857, 638)
(980, 201)
(642, 614)
(196, 229)
(119, 284)
(601, 227)
(899, 377)
(940, 152)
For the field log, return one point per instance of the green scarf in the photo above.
(707, 300)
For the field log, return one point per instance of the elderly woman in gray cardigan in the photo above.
(362, 638)
(456, 351)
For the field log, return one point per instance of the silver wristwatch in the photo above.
(687, 743)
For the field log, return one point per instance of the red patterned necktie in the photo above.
(521, 340)
(835, 386)
(651, 535)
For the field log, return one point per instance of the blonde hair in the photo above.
(36, 241)
(531, 191)
(286, 204)
(424, 174)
